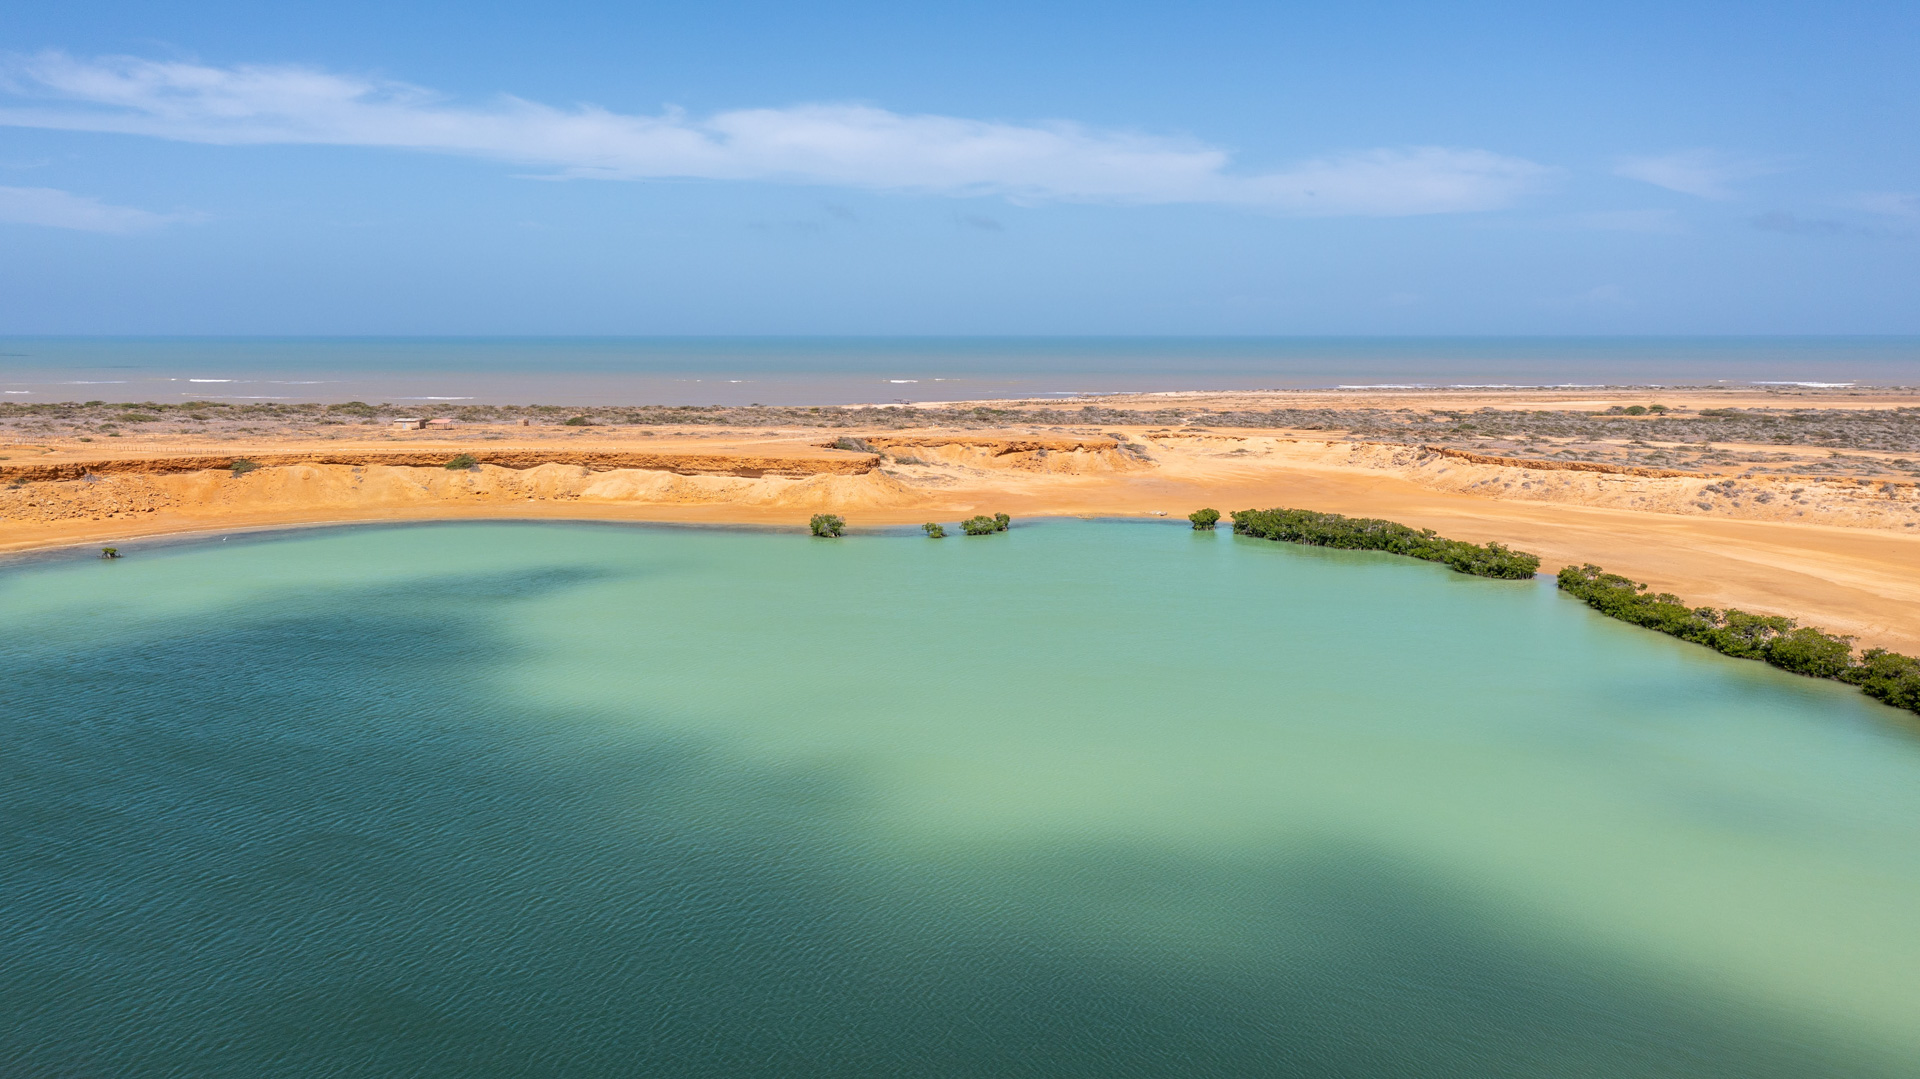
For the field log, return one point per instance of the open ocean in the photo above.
(821, 370)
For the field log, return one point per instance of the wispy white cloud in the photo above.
(1794, 225)
(1707, 174)
(833, 144)
(1889, 204)
(1598, 298)
(1648, 221)
(58, 209)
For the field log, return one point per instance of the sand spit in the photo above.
(1835, 550)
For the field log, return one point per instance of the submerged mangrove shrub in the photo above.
(983, 525)
(1883, 675)
(1002, 522)
(241, 466)
(1371, 534)
(1204, 520)
(463, 461)
(934, 530)
(827, 524)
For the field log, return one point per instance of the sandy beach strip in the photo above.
(1830, 551)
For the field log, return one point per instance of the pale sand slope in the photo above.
(1831, 552)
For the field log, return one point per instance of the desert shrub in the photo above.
(934, 530)
(241, 466)
(463, 461)
(576, 421)
(848, 442)
(1204, 520)
(980, 526)
(137, 417)
(1372, 534)
(1635, 410)
(827, 524)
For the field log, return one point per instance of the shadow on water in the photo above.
(320, 842)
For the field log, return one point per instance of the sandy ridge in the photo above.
(1840, 552)
(683, 464)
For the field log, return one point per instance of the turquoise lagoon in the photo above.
(1084, 799)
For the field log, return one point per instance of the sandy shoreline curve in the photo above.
(1768, 531)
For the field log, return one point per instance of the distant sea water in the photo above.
(848, 370)
(1083, 800)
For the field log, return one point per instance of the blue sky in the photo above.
(348, 168)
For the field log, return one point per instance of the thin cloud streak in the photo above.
(52, 208)
(827, 144)
(1705, 174)
(1889, 204)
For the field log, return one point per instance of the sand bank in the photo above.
(1836, 551)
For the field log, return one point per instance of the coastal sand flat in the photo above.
(1836, 556)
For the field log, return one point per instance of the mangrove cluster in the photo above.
(986, 526)
(1885, 676)
(1372, 534)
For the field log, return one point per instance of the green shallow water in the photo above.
(1085, 799)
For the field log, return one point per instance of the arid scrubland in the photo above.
(1803, 432)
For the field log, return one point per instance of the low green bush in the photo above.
(463, 461)
(576, 421)
(1773, 639)
(241, 466)
(1204, 520)
(1811, 652)
(934, 530)
(1372, 534)
(827, 524)
(1887, 676)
